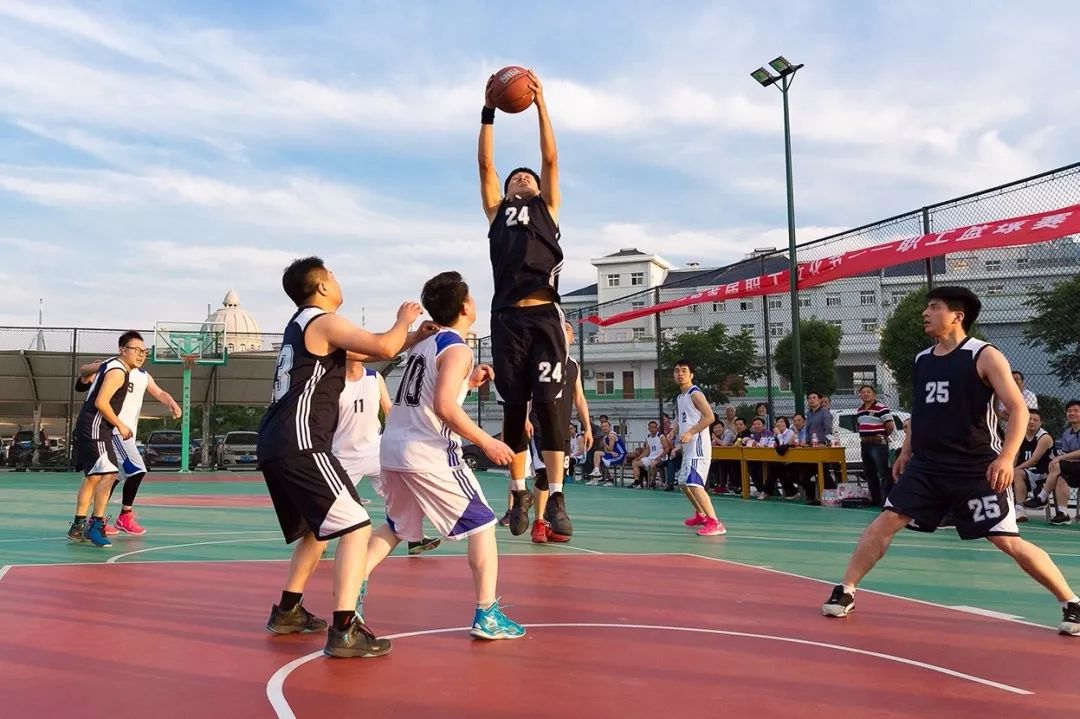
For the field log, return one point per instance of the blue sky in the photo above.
(158, 154)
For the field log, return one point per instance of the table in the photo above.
(795, 455)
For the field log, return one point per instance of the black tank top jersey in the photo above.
(91, 424)
(566, 402)
(303, 412)
(525, 252)
(953, 424)
(1027, 449)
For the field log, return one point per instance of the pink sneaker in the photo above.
(110, 531)
(696, 521)
(126, 523)
(712, 528)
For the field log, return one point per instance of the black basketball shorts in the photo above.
(96, 456)
(927, 493)
(528, 347)
(1070, 472)
(313, 492)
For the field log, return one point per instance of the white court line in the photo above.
(118, 557)
(156, 534)
(4, 570)
(276, 684)
(869, 591)
(560, 545)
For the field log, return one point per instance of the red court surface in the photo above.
(681, 635)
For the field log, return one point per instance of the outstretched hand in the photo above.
(537, 89)
(488, 102)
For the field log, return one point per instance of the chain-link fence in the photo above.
(745, 343)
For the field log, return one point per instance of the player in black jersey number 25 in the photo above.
(953, 459)
(528, 344)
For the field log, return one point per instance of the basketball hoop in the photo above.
(189, 360)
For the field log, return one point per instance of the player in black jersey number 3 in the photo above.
(528, 344)
(313, 496)
(953, 459)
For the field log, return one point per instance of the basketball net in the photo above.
(189, 360)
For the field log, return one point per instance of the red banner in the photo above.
(1028, 230)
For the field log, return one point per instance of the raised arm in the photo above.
(549, 155)
(330, 330)
(490, 192)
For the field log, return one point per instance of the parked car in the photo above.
(844, 429)
(163, 448)
(474, 456)
(25, 453)
(238, 450)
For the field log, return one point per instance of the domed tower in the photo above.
(242, 333)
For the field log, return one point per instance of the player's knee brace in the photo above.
(541, 480)
(514, 436)
(552, 427)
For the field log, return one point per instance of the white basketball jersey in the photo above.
(689, 415)
(357, 433)
(415, 439)
(655, 444)
(129, 413)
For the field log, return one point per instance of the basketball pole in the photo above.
(185, 421)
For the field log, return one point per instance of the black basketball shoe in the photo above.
(356, 640)
(840, 603)
(557, 518)
(519, 511)
(1070, 620)
(292, 622)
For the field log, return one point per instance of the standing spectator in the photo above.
(729, 416)
(665, 424)
(762, 410)
(875, 424)
(819, 420)
(1030, 399)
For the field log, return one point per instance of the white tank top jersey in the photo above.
(689, 415)
(415, 439)
(129, 413)
(656, 445)
(357, 433)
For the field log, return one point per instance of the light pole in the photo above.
(783, 81)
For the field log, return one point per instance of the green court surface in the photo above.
(227, 516)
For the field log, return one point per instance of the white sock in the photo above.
(1075, 599)
(849, 589)
(1044, 495)
(517, 485)
(554, 487)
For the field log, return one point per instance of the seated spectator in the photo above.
(612, 454)
(670, 466)
(804, 475)
(655, 449)
(1065, 465)
(1032, 462)
(759, 437)
(577, 450)
(721, 437)
(783, 436)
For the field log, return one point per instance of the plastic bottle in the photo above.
(813, 440)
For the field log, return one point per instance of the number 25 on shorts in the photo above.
(549, 373)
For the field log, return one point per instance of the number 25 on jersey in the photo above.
(937, 392)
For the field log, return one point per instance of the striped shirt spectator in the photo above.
(875, 423)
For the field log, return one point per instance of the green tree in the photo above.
(722, 362)
(1052, 411)
(902, 338)
(1054, 327)
(820, 349)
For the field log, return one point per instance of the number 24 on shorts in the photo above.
(549, 373)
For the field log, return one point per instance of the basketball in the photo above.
(510, 91)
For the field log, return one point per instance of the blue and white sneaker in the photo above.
(491, 623)
(95, 533)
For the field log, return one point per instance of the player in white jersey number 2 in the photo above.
(357, 437)
(423, 472)
(695, 416)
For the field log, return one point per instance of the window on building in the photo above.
(693, 309)
(1021, 263)
(776, 329)
(747, 304)
(867, 297)
(717, 306)
(749, 329)
(637, 278)
(863, 375)
(805, 301)
(612, 280)
(995, 289)
(693, 328)
(832, 299)
(605, 383)
(639, 333)
(836, 323)
(637, 304)
(775, 303)
(898, 295)
(869, 324)
(993, 265)
(959, 263)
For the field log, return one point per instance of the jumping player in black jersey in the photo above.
(953, 459)
(313, 497)
(527, 342)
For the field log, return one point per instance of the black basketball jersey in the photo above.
(566, 402)
(91, 424)
(1027, 449)
(953, 424)
(303, 411)
(525, 252)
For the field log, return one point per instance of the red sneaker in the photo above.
(555, 537)
(126, 523)
(110, 531)
(540, 532)
(696, 521)
(712, 528)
